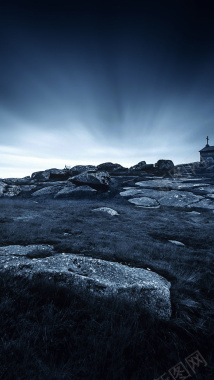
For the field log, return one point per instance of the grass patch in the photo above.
(49, 332)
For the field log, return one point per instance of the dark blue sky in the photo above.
(88, 82)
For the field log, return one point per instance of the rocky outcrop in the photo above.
(109, 166)
(142, 288)
(164, 165)
(78, 169)
(97, 180)
(170, 198)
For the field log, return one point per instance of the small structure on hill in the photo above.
(207, 153)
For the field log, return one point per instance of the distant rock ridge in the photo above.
(106, 177)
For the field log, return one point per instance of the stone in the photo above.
(76, 192)
(177, 243)
(28, 188)
(165, 184)
(172, 198)
(145, 202)
(47, 191)
(107, 210)
(164, 165)
(140, 166)
(52, 183)
(12, 191)
(65, 192)
(132, 192)
(78, 169)
(3, 187)
(179, 199)
(41, 175)
(109, 166)
(103, 279)
(96, 180)
(49, 174)
(18, 181)
(59, 174)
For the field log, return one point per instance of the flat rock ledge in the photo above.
(144, 289)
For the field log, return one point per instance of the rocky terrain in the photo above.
(142, 236)
(149, 186)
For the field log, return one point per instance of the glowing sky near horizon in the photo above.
(110, 81)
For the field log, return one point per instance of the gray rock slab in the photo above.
(107, 210)
(28, 188)
(65, 192)
(75, 192)
(145, 202)
(102, 278)
(168, 184)
(175, 198)
(50, 190)
(172, 198)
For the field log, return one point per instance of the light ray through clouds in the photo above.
(92, 86)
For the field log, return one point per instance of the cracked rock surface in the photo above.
(143, 288)
(171, 193)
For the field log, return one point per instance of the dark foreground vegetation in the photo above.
(48, 332)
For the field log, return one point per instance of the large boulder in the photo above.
(51, 174)
(18, 181)
(59, 174)
(140, 166)
(109, 166)
(80, 169)
(97, 180)
(164, 165)
(75, 192)
(41, 175)
(103, 279)
(47, 191)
